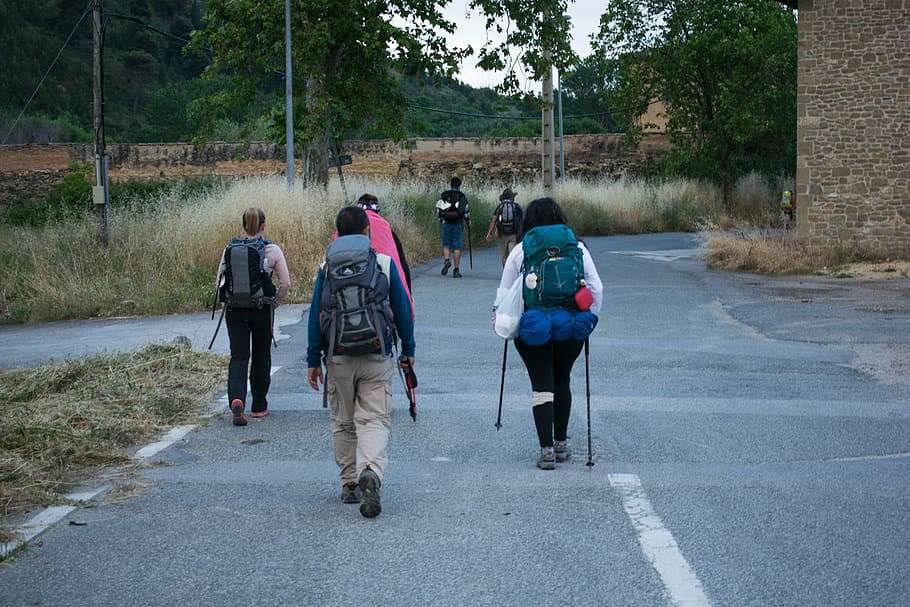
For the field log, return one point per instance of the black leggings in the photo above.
(550, 369)
(246, 326)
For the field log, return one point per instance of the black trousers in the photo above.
(250, 327)
(550, 369)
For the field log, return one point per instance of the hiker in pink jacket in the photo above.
(384, 240)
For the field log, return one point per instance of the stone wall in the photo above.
(30, 170)
(853, 167)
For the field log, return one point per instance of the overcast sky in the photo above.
(585, 19)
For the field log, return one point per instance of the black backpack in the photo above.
(245, 276)
(454, 213)
(509, 217)
(355, 316)
(245, 281)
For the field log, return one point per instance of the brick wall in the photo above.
(853, 167)
(30, 170)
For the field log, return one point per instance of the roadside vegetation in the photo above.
(166, 238)
(61, 422)
(783, 253)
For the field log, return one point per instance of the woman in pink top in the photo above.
(250, 329)
(385, 241)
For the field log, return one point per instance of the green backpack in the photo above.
(553, 268)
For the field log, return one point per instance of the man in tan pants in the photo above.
(356, 340)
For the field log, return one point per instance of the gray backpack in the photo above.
(355, 316)
(245, 276)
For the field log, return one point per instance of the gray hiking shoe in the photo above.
(456, 273)
(563, 453)
(350, 493)
(369, 499)
(547, 459)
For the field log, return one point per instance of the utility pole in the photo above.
(548, 160)
(100, 194)
(562, 148)
(289, 95)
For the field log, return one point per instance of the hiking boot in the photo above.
(445, 267)
(237, 412)
(350, 493)
(369, 498)
(547, 459)
(562, 451)
(456, 273)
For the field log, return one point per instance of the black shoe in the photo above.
(456, 273)
(445, 267)
(350, 493)
(369, 500)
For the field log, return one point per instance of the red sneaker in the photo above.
(237, 412)
(259, 414)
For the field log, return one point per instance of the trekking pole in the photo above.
(470, 248)
(502, 384)
(590, 461)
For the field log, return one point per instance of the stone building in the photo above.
(853, 122)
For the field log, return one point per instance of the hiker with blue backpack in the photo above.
(244, 286)
(556, 293)
(360, 305)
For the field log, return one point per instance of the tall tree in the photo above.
(726, 70)
(348, 58)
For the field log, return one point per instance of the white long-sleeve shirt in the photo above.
(512, 270)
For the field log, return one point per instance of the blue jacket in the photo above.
(401, 308)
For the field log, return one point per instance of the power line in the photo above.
(48, 71)
(511, 117)
(139, 21)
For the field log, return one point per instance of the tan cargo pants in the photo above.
(507, 242)
(360, 398)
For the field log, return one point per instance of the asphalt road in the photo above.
(751, 449)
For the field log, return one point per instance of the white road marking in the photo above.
(47, 517)
(864, 458)
(173, 435)
(658, 544)
(39, 523)
(440, 459)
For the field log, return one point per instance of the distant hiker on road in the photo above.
(359, 304)
(245, 287)
(384, 239)
(562, 295)
(453, 211)
(505, 223)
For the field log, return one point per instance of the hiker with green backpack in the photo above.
(244, 286)
(360, 305)
(560, 298)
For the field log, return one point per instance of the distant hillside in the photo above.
(150, 81)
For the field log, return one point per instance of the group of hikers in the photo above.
(362, 313)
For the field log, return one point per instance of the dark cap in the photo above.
(507, 194)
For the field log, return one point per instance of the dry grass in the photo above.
(163, 252)
(767, 252)
(59, 422)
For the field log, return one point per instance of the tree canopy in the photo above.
(726, 71)
(349, 57)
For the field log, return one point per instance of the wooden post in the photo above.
(548, 160)
(100, 194)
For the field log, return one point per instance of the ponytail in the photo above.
(253, 220)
